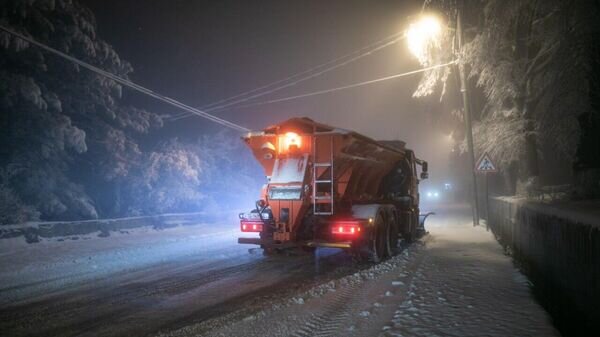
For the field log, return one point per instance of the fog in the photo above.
(204, 54)
(135, 200)
(109, 143)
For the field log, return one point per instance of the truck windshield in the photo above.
(285, 193)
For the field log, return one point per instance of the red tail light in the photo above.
(346, 228)
(251, 226)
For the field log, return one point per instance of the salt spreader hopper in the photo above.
(329, 187)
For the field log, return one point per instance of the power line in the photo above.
(127, 83)
(221, 121)
(354, 85)
(372, 48)
(395, 37)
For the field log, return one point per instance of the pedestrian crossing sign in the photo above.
(485, 164)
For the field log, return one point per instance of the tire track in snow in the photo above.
(67, 305)
(331, 319)
(116, 304)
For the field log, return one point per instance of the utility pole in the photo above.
(467, 110)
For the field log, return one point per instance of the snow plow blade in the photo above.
(423, 217)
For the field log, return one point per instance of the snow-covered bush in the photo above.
(169, 181)
(212, 174)
(12, 209)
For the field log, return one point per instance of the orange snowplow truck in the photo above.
(329, 187)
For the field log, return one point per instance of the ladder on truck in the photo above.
(322, 204)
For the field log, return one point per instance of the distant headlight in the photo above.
(433, 194)
(266, 215)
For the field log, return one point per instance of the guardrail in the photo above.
(34, 230)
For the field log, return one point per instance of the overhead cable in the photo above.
(384, 40)
(394, 37)
(334, 64)
(126, 82)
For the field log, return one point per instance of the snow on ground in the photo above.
(465, 286)
(196, 280)
(145, 281)
(30, 270)
(455, 282)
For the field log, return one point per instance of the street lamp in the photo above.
(421, 36)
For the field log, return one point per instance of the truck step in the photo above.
(323, 198)
(347, 244)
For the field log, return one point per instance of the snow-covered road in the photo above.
(198, 281)
(144, 282)
(455, 282)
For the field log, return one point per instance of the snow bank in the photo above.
(357, 278)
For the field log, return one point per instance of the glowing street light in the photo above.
(422, 35)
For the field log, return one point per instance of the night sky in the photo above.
(201, 51)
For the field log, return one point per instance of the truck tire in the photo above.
(379, 237)
(269, 251)
(393, 231)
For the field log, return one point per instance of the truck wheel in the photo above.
(392, 240)
(270, 251)
(379, 238)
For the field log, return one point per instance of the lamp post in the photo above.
(468, 125)
(420, 36)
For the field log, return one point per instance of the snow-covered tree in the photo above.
(64, 127)
(233, 177)
(169, 181)
(529, 58)
(215, 173)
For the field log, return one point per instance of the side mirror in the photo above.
(424, 170)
